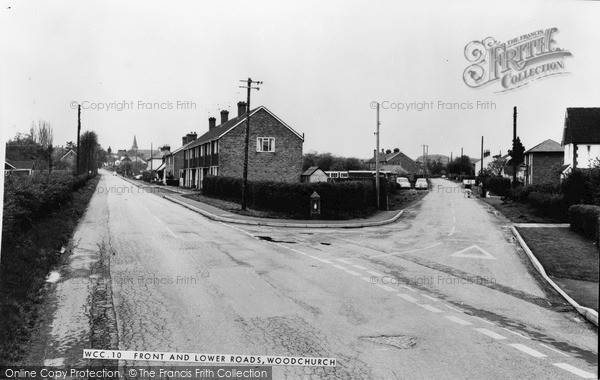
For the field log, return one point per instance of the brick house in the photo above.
(581, 138)
(396, 162)
(174, 160)
(543, 162)
(274, 150)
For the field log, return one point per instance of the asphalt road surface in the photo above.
(443, 293)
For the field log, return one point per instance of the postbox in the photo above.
(315, 204)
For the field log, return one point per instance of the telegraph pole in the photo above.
(249, 87)
(481, 155)
(514, 140)
(78, 133)
(377, 159)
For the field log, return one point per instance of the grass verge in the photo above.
(24, 265)
(518, 212)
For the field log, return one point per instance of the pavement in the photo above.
(444, 292)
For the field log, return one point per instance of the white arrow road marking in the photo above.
(482, 254)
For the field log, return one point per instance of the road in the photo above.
(445, 292)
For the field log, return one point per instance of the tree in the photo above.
(461, 166)
(517, 156)
(88, 152)
(495, 167)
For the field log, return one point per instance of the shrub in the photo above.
(497, 185)
(585, 220)
(551, 205)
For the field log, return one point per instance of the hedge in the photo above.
(585, 220)
(338, 199)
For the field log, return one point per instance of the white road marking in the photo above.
(575, 370)
(359, 267)
(374, 273)
(430, 308)
(458, 320)
(171, 232)
(431, 298)
(484, 320)
(386, 288)
(453, 308)
(527, 350)
(554, 349)
(489, 333)
(239, 229)
(516, 333)
(482, 254)
(412, 250)
(452, 231)
(408, 298)
(305, 254)
(367, 279)
(345, 261)
(409, 288)
(160, 221)
(352, 272)
(338, 266)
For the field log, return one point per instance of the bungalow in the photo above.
(274, 152)
(543, 162)
(581, 139)
(314, 174)
(19, 167)
(396, 162)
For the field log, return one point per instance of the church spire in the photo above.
(134, 146)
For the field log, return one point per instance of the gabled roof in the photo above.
(70, 152)
(179, 149)
(547, 146)
(220, 130)
(311, 170)
(28, 164)
(582, 126)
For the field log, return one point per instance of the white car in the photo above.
(421, 183)
(403, 182)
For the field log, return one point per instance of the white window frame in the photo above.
(260, 144)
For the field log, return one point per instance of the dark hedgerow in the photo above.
(585, 220)
(345, 199)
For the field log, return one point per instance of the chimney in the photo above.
(388, 151)
(241, 108)
(224, 116)
(396, 150)
(165, 149)
(382, 151)
(183, 140)
(211, 122)
(191, 136)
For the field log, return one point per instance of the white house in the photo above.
(581, 138)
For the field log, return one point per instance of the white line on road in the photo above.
(516, 333)
(338, 266)
(458, 320)
(352, 272)
(374, 273)
(367, 279)
(484, 320)
(453, 308)
(452, 231)
(575, 370)
(527, 350)
(386, 288)
(489, 333)
(431, 298)
(412, 250)
(409, 288)
(359, 267)
(345, 261)
(554, 349)
(408, 298)
(430, 308)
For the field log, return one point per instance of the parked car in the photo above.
(468, 183)
(443, 176)
(403, 182)
(421, 183)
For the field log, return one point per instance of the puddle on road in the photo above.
(270, 239)
(398, 341)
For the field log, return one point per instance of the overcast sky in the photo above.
(322, 64)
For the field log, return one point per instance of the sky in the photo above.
(322, 64)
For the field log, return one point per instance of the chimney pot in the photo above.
(191, 136)
(388, 151)
(224, 116)
(211, 122)
(396, 150)
(241, 108)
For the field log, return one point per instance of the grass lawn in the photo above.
(521, 213)
(562, 252)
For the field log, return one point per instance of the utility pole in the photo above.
(377, 159)
(249, 87)
(481, 156)
(151, 156)
(514, 140)
(78, 133)
(425, 155)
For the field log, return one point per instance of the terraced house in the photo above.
(274, 153)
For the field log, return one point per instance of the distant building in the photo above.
(396, 162)
(174, 160)
(314, 174)
(581, 139)
(543, 162)
(274, 153)
(19, 167)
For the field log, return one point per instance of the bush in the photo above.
(497, 185)
(585, 220)
(551, 205)
(338, 199)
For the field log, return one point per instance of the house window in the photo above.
(343, 174)
(214, 170)
(265, 144)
